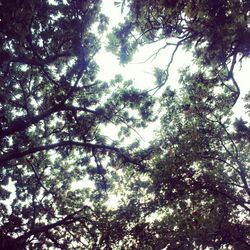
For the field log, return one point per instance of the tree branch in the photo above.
(19, 154)
(71, 218)
(20, 124)
(39, 62)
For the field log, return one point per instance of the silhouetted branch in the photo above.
(18, 154)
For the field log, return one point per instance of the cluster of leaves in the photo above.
(200, 175)
(52, 109)
(188, 190)
(218, 30)
(198, 180)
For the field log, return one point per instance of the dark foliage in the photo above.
(188, 190)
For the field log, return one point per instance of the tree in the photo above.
(51, 109)
(198, 183)
(188, 190)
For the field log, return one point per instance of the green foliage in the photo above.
(51, 110)
(160, 76)
(198, 187)
(189, 189)
(119, 43)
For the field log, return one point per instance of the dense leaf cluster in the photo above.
(199, 172)
(52, 108)
(188, 190)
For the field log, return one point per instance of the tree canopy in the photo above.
(188, 190)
